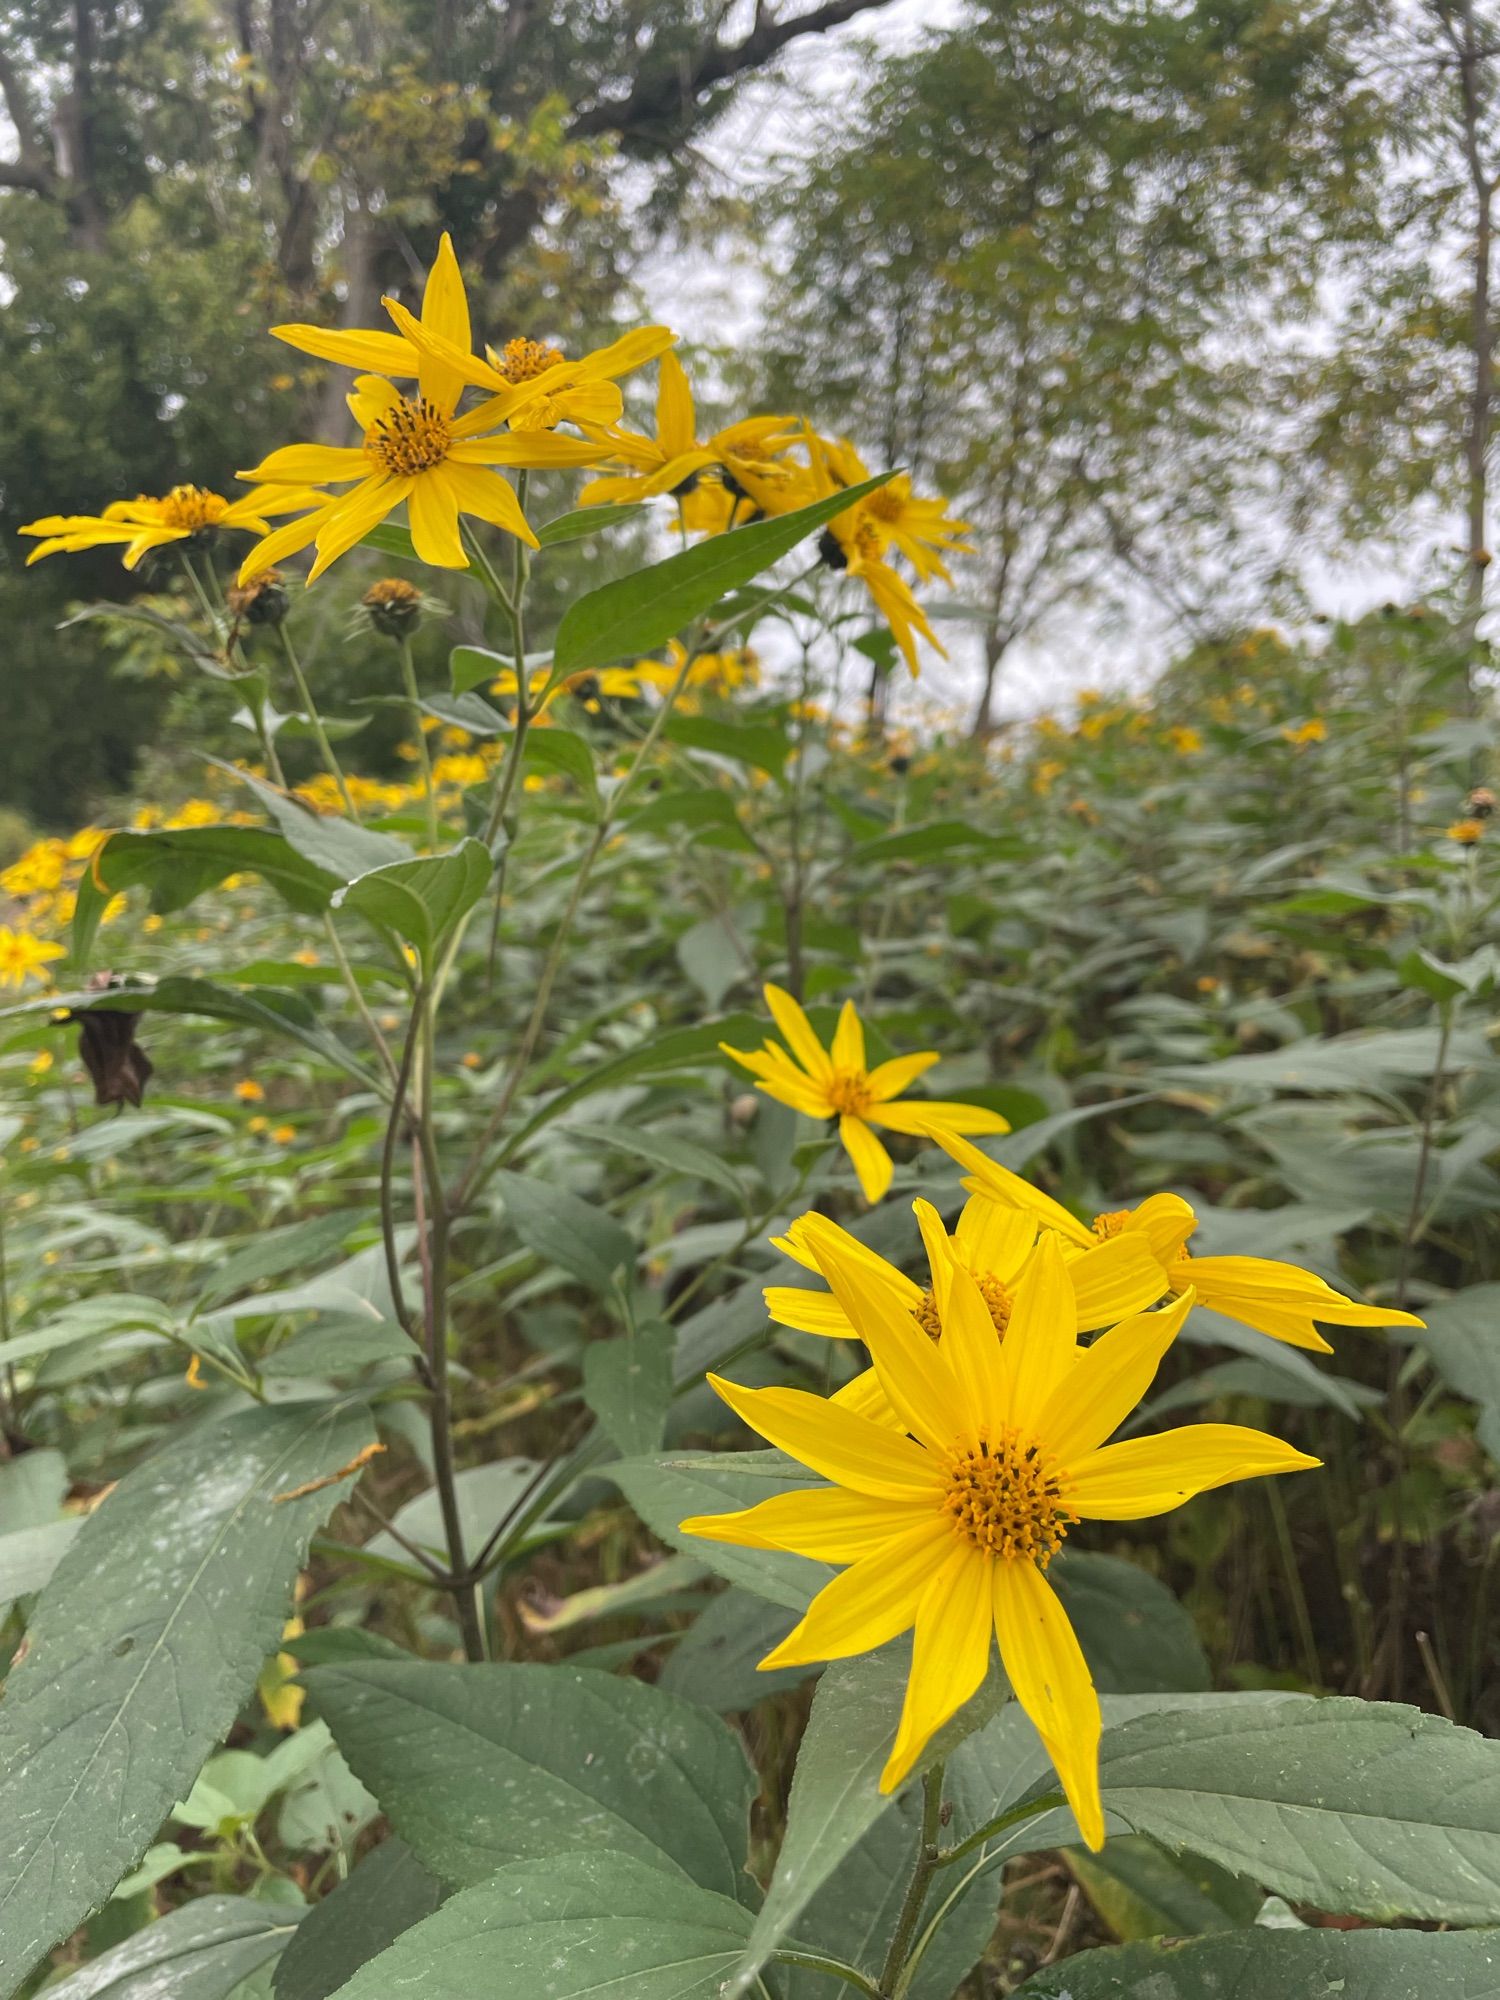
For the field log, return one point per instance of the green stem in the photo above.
(1048, 1803)
(424, 758)
(926, 1865)
(834, 1968)
(310, 710)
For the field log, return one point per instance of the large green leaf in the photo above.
(422, 900)
(1283, 1965)
(627, 1383)
(566, 1231)
(1363, 1808)
(1142, 1891)
(385, 1895)
(638, 613)
(179, 864)
(1135, 1635)
(1462, 1337)
(478, 1766)
(602, 1926)
(142, 1648)
(585, 521)
(200, 1952)
(328, 841)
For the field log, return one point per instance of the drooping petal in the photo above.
(809, 1312)
(362, 508)
(367, 349)
(1041, 1341)
(916, 1376)
(445, 312)
(796, 1032)
(1283, 1300)
(488, 497)
(848, 1051)
(994, 1239)
(1108, 1380)
(797, 1245)
(824, 1522)
(1117, 1277)
(1051, 1679)
(949, 1655)
(1152, 1475)
(872, 1163)
(869, 1603)
(989, 1178)
(842, 1447)
(925, 1117)
(889, 1079)
(432, 514)
(676, 421)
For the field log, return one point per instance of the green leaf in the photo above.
(1135, 1636)
(1363, 1808)
(201, 1952)
(566, 751)
(338, 845)
(664, 1150)
(467, 711)
(919, 843)
(759, 744)
(566, 1231)
(717, 1661)
(422, 900)
(1462, 1339)
(713, 815)
(1142, 1891)
(638, 613)
(473, 666)
(1283, 1965)
(627, 1383)
(142, 1648)
(605, 1927)
(28, 1556)
(712, 955)
(387, 1893)
(178, 865)
(389, 540)
(479, 1766)
(584, 521)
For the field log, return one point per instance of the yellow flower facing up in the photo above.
(1278, 1299)
(143, 524)
(24, 956)
(946, 1525)
(835, 1083)
(414, 450)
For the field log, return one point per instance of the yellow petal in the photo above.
(872, 1163)
(1051, 1679)
(285, 541)
(432, 513)
(994, 1240)
(631, 350)
(675, 418)
(972, 1349)
(848, 1049)
(1283, 1299)
(361, 509)
(1041, 1341)
(1107, 1381)
(445, 313)
(370, 398)
(1166, 1221)
(796, 1032)
(823, 1522)
(889, 1079)
(914, 1374)
(430, 345)
(1152, 1475)
(865, 1397)
(871, 1602)
(381, 353)
(949, 1655)
(1119, 1276)
(533, 449)
(487, 497)
(311, 465)
(842, 1447)
(1000, 1184)
(940, 1255)
(809, 1312)
(924, 1116)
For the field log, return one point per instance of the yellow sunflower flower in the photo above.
(144, 523)
(415, 450)
(947, 1525)
(618, 683)
(674, 457)
(834, 1083)
(1278, 1299)
(24, 956)
(719, 673)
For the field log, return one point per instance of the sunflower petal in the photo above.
(994, 1241)
(998, 1183)
(1041, 1341)
(310, 465)
(848, 1051)
(796, 1032)
(1108, 1379)
(809, 1312)
(1152, 1475)
(445, 312)
(889, 1079)
(949, 1656)
(1117, 1277)
(432, 513)
(923, 1117)
(1050, 1676)
(362, 508)
(842, 1447)
(368, 350)
(824, 1522)
(872, 1163)
(869, 1603)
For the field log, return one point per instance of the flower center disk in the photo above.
(192, 507)
(410, 436)
(849, 1093)
(1008, 1498)
(994, 1294)
(523, 360)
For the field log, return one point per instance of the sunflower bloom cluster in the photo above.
(835, 1083)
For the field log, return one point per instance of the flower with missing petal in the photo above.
(946, 1525)
(1278, 1299)
(834, 1083)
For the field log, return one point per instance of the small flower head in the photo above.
(261, 601)
(393, 606)
(1481, 803)
(1466, 832)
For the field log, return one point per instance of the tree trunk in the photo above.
(983, 725)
